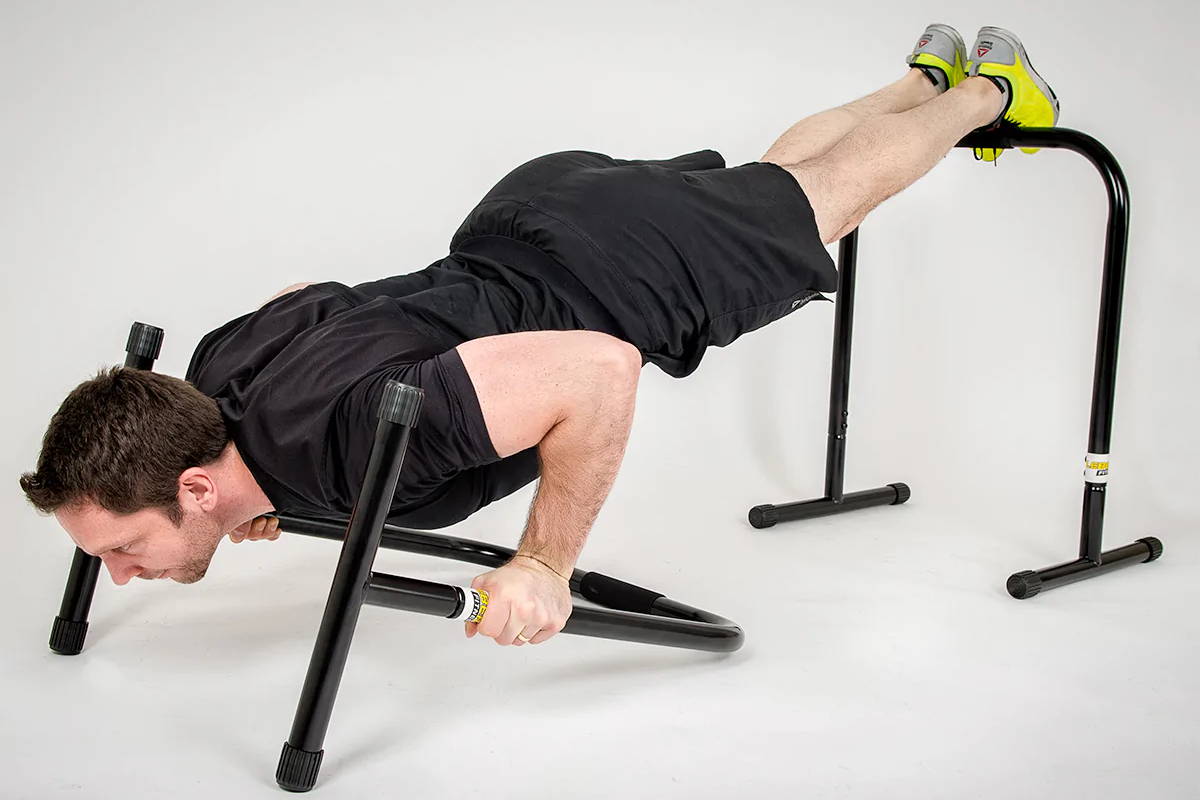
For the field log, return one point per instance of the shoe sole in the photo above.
(1012, 40)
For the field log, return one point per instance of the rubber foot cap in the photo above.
(1024, 585)
(297, 771)
(902, 492)
(67, 635)
(763, 516)
(1155, 548)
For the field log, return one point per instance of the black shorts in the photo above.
(673, 255)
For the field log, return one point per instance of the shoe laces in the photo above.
(1003, 125)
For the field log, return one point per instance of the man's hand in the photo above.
(525, 599)
(257, 528)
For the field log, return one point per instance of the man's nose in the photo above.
(121, 574)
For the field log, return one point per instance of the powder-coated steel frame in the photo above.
(1091, 561)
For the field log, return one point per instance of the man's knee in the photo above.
(817, 184)
(835, 196)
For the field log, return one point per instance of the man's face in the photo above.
(144, 544)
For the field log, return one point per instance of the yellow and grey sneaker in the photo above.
(940, 54)
(1028, 100)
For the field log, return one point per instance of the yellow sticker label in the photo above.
(479, 607)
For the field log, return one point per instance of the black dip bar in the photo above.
(1092, 560)
(628, 613)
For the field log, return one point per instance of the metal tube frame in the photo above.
(628, 612)
(1092, 561)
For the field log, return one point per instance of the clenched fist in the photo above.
(524, 599)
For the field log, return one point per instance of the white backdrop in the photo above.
(178, 163)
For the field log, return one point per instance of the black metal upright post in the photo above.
(300, 760)
(70, 626)
(835, 500)
(839, 379)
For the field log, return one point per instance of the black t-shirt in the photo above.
(298, 383)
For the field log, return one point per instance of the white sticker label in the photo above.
(1095, 468)
(475, 606)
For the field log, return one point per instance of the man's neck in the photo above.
(246, 499)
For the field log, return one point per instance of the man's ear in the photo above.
(197, 487)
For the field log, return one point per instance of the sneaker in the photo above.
(1028, 100)
(940, 54)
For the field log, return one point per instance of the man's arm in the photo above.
(571, 393)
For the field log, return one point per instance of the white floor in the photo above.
(883, 658)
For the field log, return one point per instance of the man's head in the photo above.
(138, 468)
(145, 544)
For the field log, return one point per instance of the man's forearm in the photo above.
(579, 458)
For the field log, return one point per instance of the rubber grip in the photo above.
(612, 593)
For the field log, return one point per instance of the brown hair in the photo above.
(121, 439)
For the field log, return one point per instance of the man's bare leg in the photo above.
(814, 136)
(888, 152)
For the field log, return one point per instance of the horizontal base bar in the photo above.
(765, 516)
(1024, 585)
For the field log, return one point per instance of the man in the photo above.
(574, 271)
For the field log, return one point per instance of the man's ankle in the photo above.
(996, 94)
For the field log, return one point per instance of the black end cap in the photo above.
(401, 403)
(67, 635)
(902, 492)
(1155, 548)
(297, 771)
(1024, 585)
(763, 516)
(144, 341)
